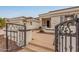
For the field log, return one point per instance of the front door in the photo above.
(48, 23)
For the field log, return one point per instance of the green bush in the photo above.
(2, 22)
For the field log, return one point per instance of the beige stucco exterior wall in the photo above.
(35, 25)
(40, 21)
(77, 15)
(54, 21)
(28, 35)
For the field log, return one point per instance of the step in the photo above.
(37, 48)
(38, 45)
(49, 41)
(42, 44)
(25, 50)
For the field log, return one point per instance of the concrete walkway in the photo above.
(41, 42)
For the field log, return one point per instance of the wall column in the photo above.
(40, 21)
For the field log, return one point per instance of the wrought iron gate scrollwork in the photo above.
(67, 36)
(15, 36)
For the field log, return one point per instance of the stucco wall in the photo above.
(35, 25)
(77, 15)
(28, 37)
(54, 21)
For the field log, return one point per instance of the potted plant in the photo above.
(41, 29)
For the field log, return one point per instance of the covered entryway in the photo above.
(46, 22)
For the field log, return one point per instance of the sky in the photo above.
(28, 11)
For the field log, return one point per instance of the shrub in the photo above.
(2, 22)
(41, 30)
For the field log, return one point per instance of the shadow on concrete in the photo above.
(46, 33)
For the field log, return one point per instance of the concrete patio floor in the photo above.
(42, 42)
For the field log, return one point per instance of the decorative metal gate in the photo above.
(15, 36)
(67, 36)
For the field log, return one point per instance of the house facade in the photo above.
(34, 23)
(19, 20)
(52, 18)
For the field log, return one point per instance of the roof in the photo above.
(61, 10)
(19, 18)
(65, 9)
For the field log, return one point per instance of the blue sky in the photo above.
(34, 11)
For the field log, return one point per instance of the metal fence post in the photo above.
(24, 34)
(77, 35)
(56, 39)
(6, 37)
